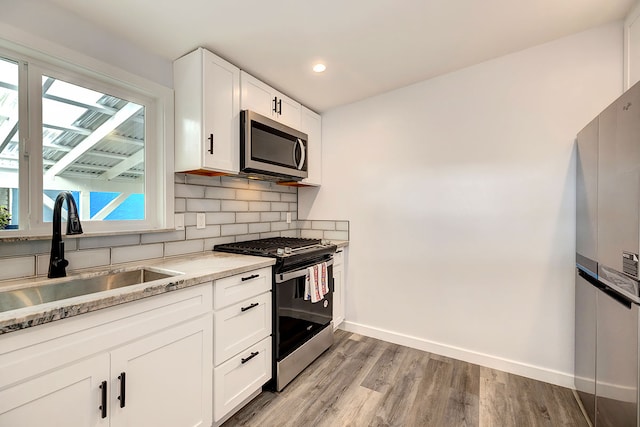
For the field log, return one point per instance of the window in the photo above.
(63, 128)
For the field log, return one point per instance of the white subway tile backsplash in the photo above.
(228, 181)
(234, 206)
(28, 247)
(279, 206)
(210, 243)
(269, 196)
(190, 218)
(106, 241)
(183, 247)
(248, 195)
(136, 253)
(311, 234)
(342, 225)
(336, 235)
(245, 237)
(78, 260)
(247, 217)
(15, 268)
(289, 197)
(270, 216)
(237, 209)
(234, 229)
(323, 225)
(202, 180)
(220, 193)
(180, 205)
(259, 206)
(169, 236)
(203, 233)
(203, 205)
(260, 227)
(189, 191)
(221, 218)
(279, 226)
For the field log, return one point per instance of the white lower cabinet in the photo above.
(161, 381)
(241, 340)
(145, 363)
(69, 396)
(240, 377)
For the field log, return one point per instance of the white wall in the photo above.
(460, 192)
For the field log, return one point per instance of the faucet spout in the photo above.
(57, 263)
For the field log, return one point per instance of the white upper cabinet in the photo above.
(207, 114)
(311, 124)
(263, 99)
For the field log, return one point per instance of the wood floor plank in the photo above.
(362, 381)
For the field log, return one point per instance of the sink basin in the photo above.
(48, 292)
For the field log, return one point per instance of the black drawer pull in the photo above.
(253, 354)
(103, 399)
(210, 150)
(123, 386)
(253, 276)
(249, 307)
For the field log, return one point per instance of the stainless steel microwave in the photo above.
(271, 148)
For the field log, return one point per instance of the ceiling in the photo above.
(369, 46)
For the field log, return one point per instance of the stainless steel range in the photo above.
(302, 329)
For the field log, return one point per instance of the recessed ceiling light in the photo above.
(318, 68)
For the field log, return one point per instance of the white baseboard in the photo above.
(562, 379)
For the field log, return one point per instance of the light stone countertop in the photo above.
(192, 270)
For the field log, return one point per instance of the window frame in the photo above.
(80, 70)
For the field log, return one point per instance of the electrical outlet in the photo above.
(200, 220)
(179, 221)
(288, 217)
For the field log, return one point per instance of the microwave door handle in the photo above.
(302, 155)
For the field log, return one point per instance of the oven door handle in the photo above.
(285, 277)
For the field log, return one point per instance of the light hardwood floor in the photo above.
(362, 381)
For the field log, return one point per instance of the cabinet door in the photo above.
(311, 124)
(167, 378)
(69, 396)
(256, 96)
(221, 114)
(288, 111)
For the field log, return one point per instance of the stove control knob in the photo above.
(287, 250)
(280, 251)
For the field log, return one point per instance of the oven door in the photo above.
(297, 320)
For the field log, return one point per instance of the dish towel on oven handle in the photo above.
(317, 283)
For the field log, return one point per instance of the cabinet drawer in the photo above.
(241, 325)
(233, 289)
(235, 380)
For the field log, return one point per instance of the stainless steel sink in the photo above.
(48, 292)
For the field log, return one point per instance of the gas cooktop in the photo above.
(285, 249)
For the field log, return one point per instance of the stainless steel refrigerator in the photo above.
(607, 252)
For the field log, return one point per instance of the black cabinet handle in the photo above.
(253, 276)
(210, 143)
(249, 307)
(103, 399)
(275, 104)
(123, 386)
(246, 359)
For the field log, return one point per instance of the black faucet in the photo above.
(57, 263)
